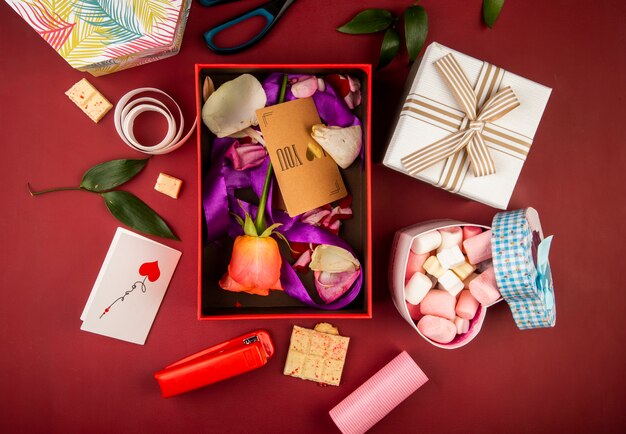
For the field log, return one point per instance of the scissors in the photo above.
(271, 11)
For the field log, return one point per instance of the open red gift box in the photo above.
(215, 303)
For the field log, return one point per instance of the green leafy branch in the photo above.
(126, 207)
(378, 20)
(415, 21)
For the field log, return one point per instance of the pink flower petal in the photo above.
(245, 155)
(339, 83)
(334, 227)
(353, 99)
(305, 87)
(347, 87)
(355, 85)
(346, 202)
(315, 216)
(349, 99)
(337, 213)
(329, 218)
(302, 264)
(331, 286)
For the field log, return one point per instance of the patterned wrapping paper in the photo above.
(105, 36)
(432, 111)
(521, 268)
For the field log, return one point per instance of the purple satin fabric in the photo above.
(222, 180)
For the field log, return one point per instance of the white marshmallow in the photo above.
(450, 237)
(417, 288)
(451, 282)
(427, 242)
(462, 325)
(451, 257)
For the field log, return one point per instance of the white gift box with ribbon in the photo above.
(466, 125)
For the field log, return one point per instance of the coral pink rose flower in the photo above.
(254, 266)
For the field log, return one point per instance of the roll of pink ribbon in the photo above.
(375, 398)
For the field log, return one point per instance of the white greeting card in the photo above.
(129, 288)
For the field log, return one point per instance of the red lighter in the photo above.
(219, 362)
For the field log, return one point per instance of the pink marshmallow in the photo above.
(414, 311)
(439, 303)
(438, 329)
(471, 231)
(484, 288)
(462, 325)
(467, 305)
(415, 264)
(478, 248)
(468, 279)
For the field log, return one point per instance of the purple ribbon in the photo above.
(222, 180)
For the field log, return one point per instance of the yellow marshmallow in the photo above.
(433, 267)
(464, 270)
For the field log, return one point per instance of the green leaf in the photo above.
(237, 218)
(267, 232)
(133, 212)
(368, 21)
(389, 48)
(249, 228)
(282, 237)
(106, 176)
(491, 11)
(415, 30)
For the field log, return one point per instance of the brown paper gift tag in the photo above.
(305, 181)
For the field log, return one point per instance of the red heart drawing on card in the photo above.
(151, 270)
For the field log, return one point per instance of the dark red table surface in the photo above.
(56, 378)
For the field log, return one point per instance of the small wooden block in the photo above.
(316, 356)
(168, 185)
(90, 101)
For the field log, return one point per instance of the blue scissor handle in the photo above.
(213, 2)
(258, 12)
(271, 11)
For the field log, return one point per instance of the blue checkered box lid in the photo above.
(522, 269)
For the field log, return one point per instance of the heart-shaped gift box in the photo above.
(522, 271)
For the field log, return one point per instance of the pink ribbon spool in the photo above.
(375, 398)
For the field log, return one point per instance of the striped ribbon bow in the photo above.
(469, 138)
